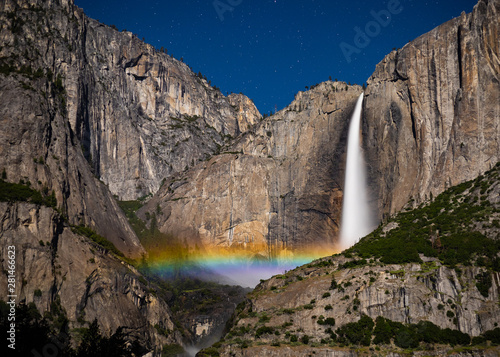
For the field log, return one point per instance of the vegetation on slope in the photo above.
(382, 333)
(461, 226)
(22, 192)
(97, 238)
(160, 246)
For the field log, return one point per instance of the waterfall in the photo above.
(356, 215)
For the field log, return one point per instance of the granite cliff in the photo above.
(65, 273)
(430, 121)
(432, 109)
(277, 187)
(39, 145)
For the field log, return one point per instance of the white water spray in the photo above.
(356, 215)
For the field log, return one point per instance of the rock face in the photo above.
(432, 110)
(87, 282)
(409, 293)
(397, 292)
(430, 121)
(142, 119)
(277, 187)
(143, 115)
(204, 312)
(139, 114)
(38, 143)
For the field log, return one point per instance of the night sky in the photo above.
(271, 49)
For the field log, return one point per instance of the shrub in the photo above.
(103, 242)
(330, 321)
(325, 295)
(357, 333)
(328, 307)
(38, 293)
(493, 336)
(454, 337)
(263, 330)
(13, 192)
(406, 338)
(428, 332)
(211, 351)
(478, 340)
(483, 283)
(264, 318)
(353, 264)
(294, 338)
(333, 284)
(382, 331)
(304, 339)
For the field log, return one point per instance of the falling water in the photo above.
(356, 217)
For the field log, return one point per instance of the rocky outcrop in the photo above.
(432, 110)
(143, 115)
(247, 113)
(56, 266)
(139, 114)
(268, 351)
(404, 293)
(294, 302)
(277, 188)
(38, 144)
(204, 312)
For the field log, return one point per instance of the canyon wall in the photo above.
(278, 187)
(432, 110)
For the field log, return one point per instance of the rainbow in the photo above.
(243, 268)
